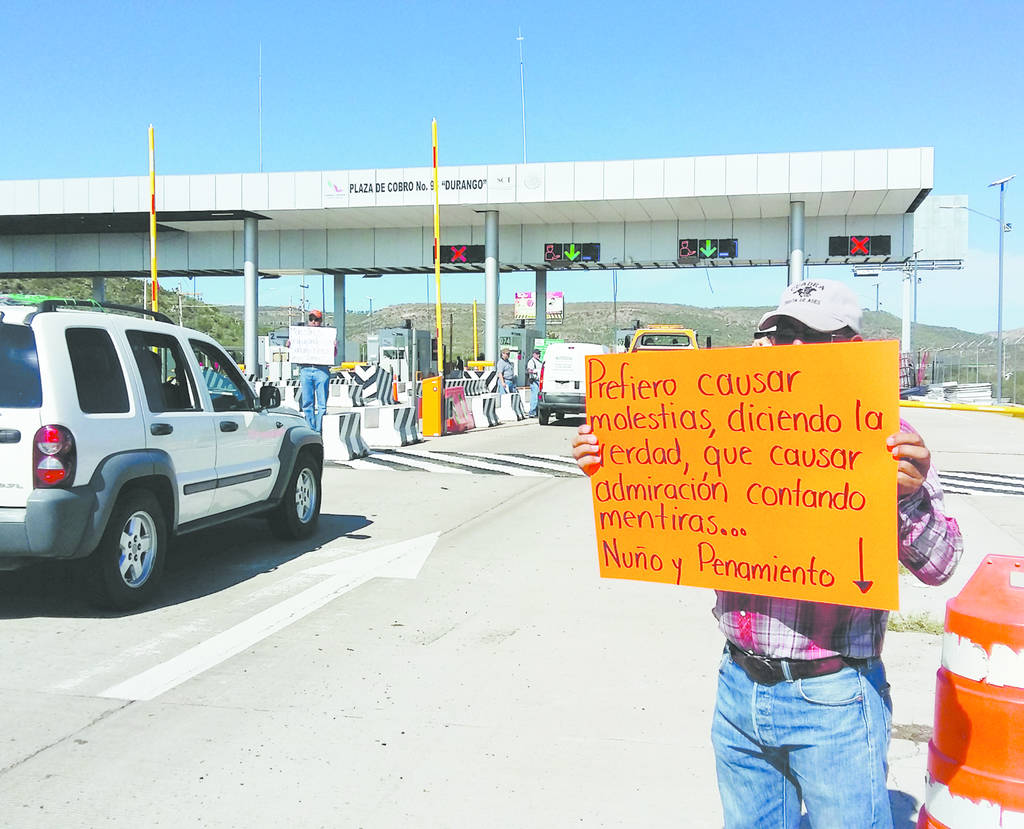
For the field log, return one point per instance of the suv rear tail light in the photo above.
(540, 382)
(53, 457)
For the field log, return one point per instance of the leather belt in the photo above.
(767, 671)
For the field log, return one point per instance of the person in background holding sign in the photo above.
(313, 381)
(803, 712)
(533, 376)
(506, 373)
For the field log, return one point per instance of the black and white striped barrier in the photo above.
(390, 425)
(485, 409)
(344, 393)
(519, 404)
(386, 392)
(343, 438)
(510, 407)
(489, 378)
(471, 385)
(377, 384)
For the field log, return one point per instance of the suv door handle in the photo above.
(228, 426)
(161, 429)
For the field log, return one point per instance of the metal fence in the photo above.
(966, 363)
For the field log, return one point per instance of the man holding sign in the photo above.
(768, 476)
(313, 348)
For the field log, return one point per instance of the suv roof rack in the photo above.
(46, 304)
(54, 304)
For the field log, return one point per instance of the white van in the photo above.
(563, 377)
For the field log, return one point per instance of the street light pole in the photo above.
(522, 86)
(999, 299)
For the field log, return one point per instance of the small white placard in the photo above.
(312, 344)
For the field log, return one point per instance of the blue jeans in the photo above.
(534, 391)
(822, 740)
(313, 382)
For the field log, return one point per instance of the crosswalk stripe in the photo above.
(458, 463)
(955, 482)
(399, 461)
(981, 483)
(526, 460)
(471, 461)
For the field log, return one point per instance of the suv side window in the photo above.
(228, 389)
(166, 377)
(20, 386)
(99, 377)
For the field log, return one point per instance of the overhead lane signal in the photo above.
(461, 254)
(691, 250)
(863, 245)
(572, 253)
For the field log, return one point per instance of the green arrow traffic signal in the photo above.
(571, 253)
(708, 250)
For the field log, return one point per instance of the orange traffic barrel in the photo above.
(976, 754)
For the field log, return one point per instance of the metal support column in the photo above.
(251, 246)
(99, 289)
(999, 298)
(540, 295)
(796, 241)
(491, 285)
(339, 314)
(905, 336)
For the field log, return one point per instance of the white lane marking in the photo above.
(401, 560)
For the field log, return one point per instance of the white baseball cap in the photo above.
(821, 304)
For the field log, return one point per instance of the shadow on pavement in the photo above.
(904, 809)
(198, 564)
(567, 420)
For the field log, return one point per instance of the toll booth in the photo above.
(520, 342)
(272, 354)
(403, 351)
(623, 337)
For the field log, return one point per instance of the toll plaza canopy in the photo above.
(836, 207)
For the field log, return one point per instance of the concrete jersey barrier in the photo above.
(392, 426)
(343, 439)
(485, 409)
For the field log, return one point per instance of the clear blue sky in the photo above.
(355, 85)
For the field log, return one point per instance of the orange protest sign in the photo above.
(754, 470)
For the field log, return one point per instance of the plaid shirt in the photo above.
(929, 546)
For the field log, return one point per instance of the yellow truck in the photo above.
(661, 338)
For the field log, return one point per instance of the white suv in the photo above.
(117, 431)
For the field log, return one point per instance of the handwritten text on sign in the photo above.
(754, 470)
(312, 344)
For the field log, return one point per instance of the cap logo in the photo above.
(806, 289)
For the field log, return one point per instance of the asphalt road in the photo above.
(441, 654)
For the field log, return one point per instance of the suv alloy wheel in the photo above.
(129, 560)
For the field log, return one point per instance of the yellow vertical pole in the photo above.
(476, 350)
(437, 258)
(152, 222)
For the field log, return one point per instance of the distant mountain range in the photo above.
(584, 321)
(598, 321)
